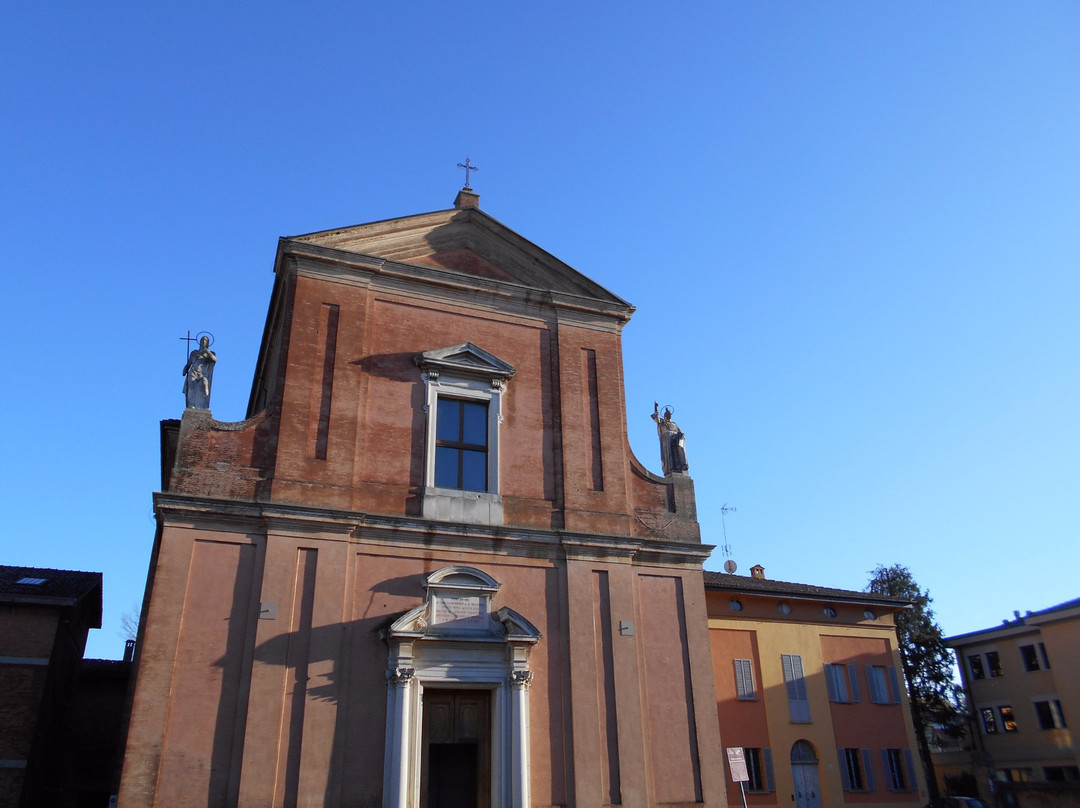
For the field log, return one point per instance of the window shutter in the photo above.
(910, 770)
(871, 684)
(798, 705)
(766, 755)
(853, 677)
(895, 685)
(886, 770)
(830, 683)
(744, 679)
(845, 779)
(868, 770)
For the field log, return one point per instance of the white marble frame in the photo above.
(468, 373)
(497, 661)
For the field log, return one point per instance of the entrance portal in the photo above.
(455, 767)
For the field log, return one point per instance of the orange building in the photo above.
(427, 569)
(809, 686)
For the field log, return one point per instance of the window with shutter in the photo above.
(798, 703)
(892, 761)
(744, 680)
(851, 769)
(755, 769)
(879, 689)
(836, 683)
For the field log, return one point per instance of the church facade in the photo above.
(427, 570)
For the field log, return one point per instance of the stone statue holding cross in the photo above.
(672, 442)
(199, 375)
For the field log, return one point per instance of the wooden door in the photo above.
(807, 785)
(455, 767)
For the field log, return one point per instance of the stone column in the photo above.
(519, 738)
(399, 698)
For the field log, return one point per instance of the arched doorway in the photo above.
(804, 770)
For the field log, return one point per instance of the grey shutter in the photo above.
(744, 679)
(853, 677)
(910, 770)
(830, 683)
(798, 705)
(887, 770)
(895, 685)
(845, 780)
(868, 770)
(766, 755)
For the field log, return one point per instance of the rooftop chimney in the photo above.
(467, 198)
(757, 571)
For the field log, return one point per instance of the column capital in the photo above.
(400, 676)
(520, 680)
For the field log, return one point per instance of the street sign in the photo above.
(737, 764)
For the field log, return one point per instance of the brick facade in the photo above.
(293, 550)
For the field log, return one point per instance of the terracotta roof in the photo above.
(51, 587)
(723, 582)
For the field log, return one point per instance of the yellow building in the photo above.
(1024, 693)
(809, 686)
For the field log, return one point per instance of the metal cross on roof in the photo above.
(468, 167)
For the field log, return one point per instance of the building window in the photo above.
(1049, 714)
(735, 605)
(879, 678)
(461, 443)
(744, 680)
(897, 778)
(759, 769)
(1008, 720)
(993, 662)
(989, 723)
(856, 773)
(829, 611)
(783, 608)
(798, 703)
(975, 663)
(836, 682)
(1030, 657)
(464, 389)
(1060, 774)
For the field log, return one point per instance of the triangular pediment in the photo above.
(467, 359)
(466, 241)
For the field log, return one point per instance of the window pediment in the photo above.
(466, 360)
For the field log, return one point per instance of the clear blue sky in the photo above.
(850, 228)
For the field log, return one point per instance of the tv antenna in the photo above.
(729, 566)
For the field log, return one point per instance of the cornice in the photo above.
(191, 511)
(363, 270)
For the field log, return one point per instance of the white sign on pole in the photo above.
(737, 764)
